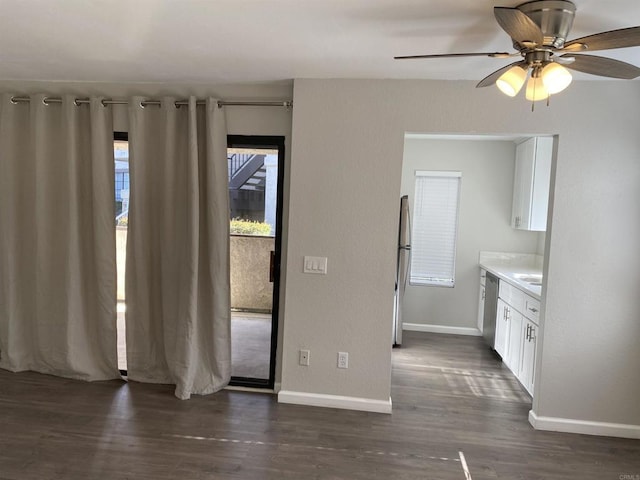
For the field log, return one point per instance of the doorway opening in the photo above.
(121, 164)
(255, 167)
(491, 231)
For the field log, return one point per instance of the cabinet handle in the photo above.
(531, 335)
(483, 294)
(534, 310)
(527, 334)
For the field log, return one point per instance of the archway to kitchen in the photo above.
(442, 347)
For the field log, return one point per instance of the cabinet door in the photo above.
(531, 184)
(541, 181)
(502, 328)
(481, 297)
(528, 360)
(523, 184)
(514, 342)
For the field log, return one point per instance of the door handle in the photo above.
(272, 266)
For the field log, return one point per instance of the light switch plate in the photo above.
(316, 265)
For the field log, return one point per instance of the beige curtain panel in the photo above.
(177, 279)
(57, 243)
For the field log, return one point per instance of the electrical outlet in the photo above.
(343, 360)
(304, 358)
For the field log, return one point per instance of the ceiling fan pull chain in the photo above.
(533, 101)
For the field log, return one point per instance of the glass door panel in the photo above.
(253, 168)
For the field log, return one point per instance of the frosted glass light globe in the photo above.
(511, 81)
(555, 77)
(536, 90)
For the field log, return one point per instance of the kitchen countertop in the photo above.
(507, 266)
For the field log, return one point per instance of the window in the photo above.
(435, 226)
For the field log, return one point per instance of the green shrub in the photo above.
(248, 227)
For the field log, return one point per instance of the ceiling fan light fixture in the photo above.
(511, 81)
(539, 30)
(536, 90)
(555, 77)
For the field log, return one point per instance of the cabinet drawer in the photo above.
(512, 296)
(531, 308)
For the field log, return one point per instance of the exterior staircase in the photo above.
(246, 171)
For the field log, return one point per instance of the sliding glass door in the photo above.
(255, 197)
(255, 169)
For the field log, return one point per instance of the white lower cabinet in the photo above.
(528, 363)
(502, 328)
(516, 332)
(514, 344)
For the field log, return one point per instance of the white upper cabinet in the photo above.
(531, 184)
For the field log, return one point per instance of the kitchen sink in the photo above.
(530, 278)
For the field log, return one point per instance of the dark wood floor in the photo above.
(449, 393)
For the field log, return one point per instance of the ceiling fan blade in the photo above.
(447, 55)
(622, 38)
(491, 79)
(602, 66)
(519, 27)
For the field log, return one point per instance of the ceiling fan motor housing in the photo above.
(554, 17)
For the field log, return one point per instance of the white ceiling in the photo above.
(225, 41)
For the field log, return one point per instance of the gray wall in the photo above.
(345, 182)
(484, 221)
(344, 173)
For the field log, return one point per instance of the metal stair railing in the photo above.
(237, 161)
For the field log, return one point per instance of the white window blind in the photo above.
(435, 227)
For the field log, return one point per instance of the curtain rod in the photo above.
(221, 103)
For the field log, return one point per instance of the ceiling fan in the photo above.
(539, 31)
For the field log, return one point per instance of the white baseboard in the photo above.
(423, 327)
(567, 425)
(334, 401)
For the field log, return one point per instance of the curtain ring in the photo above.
(142, 105)
(44, 101)
(75, 102)
(102, 103)
(12, 100)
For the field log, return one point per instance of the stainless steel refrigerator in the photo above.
(402, 268)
